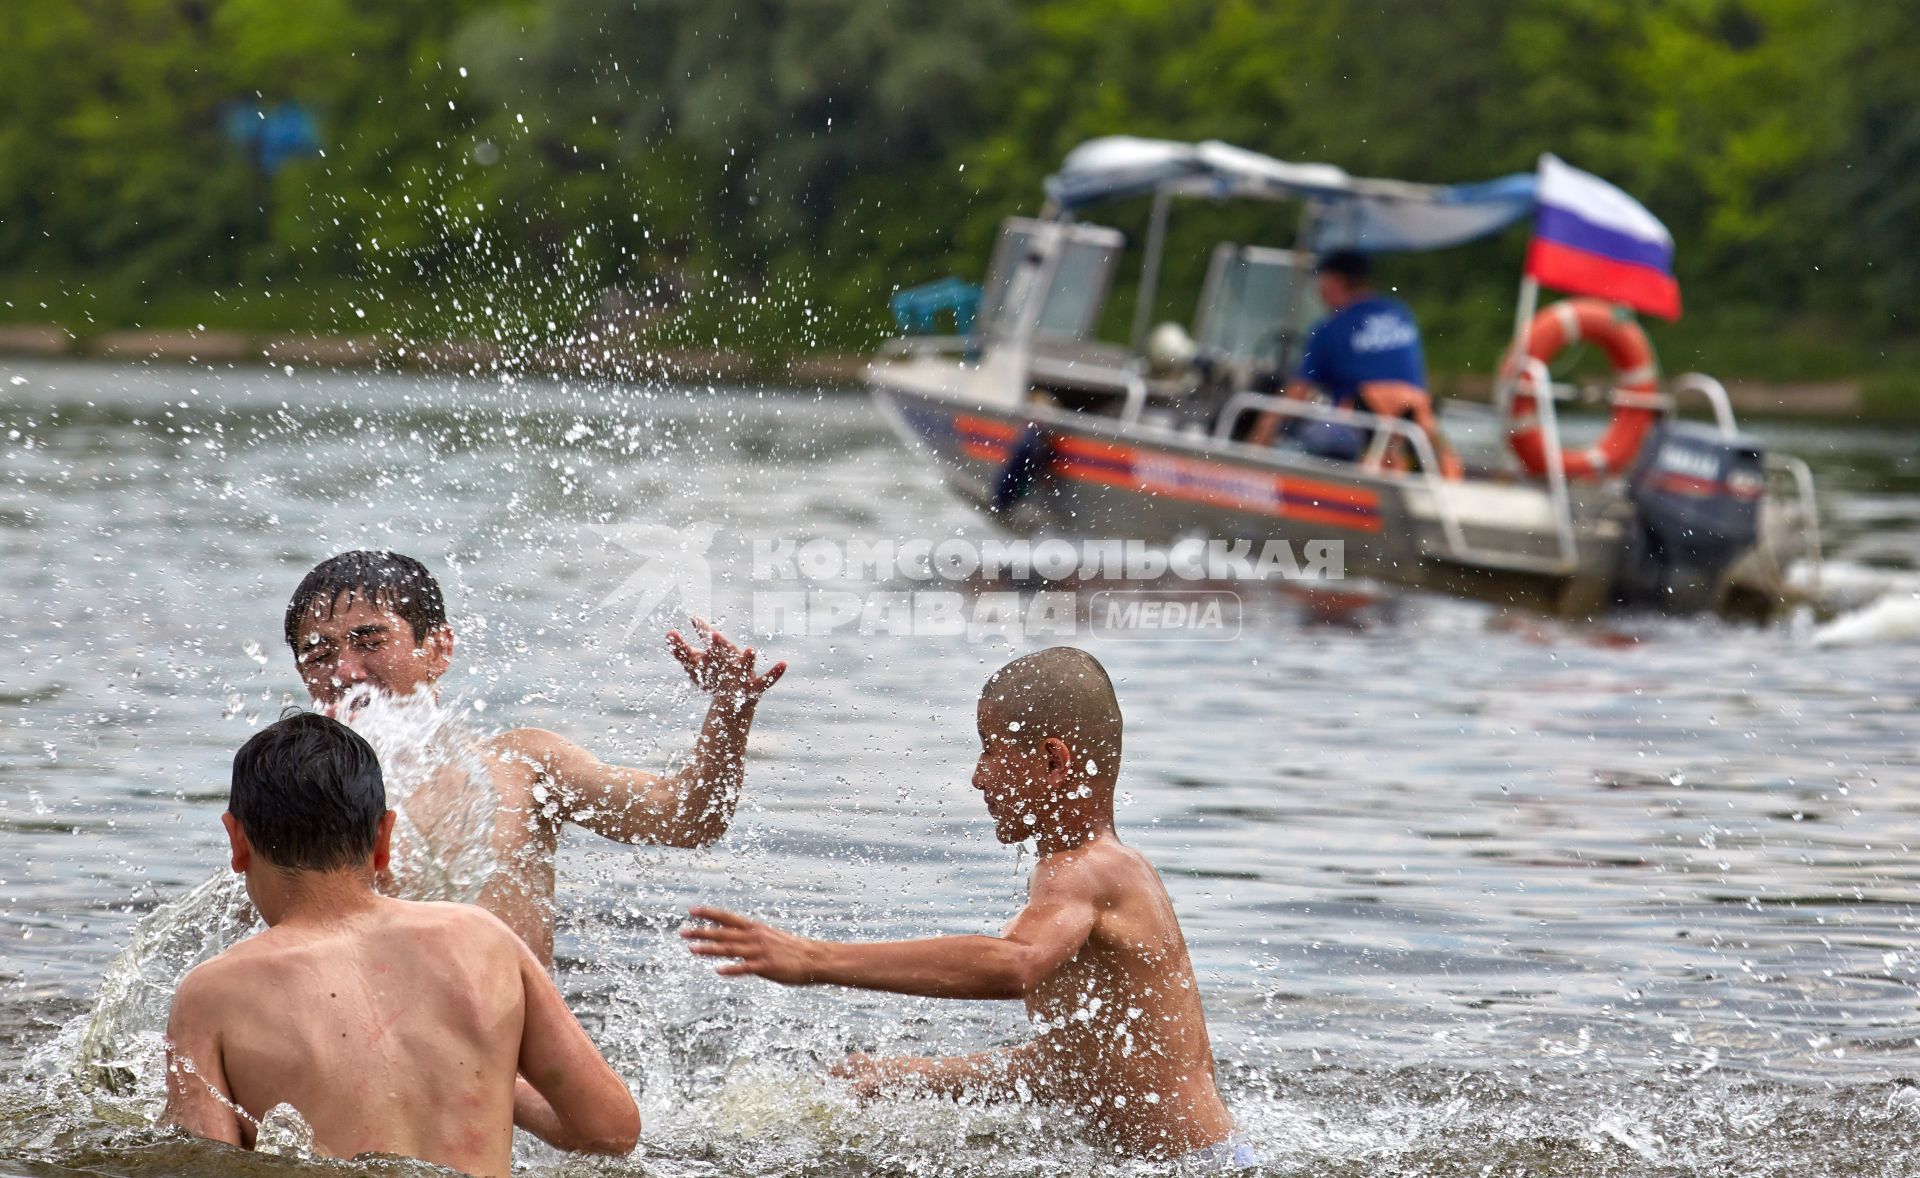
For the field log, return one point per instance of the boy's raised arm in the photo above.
(1056, 921)
(198, 1097)
(693, 807)
(568, 1096)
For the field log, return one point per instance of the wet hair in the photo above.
(399, 583)
(308, 793)
(1351, 265)
(1061, 691)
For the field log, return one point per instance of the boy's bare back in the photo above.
(1120, 1028)
(396, 1030)
(425, 1030)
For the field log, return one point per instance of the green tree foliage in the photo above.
(786, 163)
(790, 149)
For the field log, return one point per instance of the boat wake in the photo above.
(1874, 606)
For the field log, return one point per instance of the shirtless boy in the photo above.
(376, 620)
(1097, 953)
(389, 1026)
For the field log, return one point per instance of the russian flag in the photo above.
(1590, 238)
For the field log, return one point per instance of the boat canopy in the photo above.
(1349, 212)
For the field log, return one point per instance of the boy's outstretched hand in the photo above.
(757, 949)
(720, 668)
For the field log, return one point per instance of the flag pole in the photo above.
(1529, 300)
(1525, 304)
(1510, 366)
(1524, 307)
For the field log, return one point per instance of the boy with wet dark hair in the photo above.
(1097, 954)
(306, 796)
(398, 582)
(387, 1026)
(376, 621)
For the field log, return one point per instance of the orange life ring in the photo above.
(1636, 390)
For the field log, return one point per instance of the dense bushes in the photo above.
(768, 170)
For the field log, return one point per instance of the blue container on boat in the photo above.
(916, 310)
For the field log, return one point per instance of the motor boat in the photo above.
(1050, 430)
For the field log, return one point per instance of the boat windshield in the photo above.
(1076, 284)
(1249, 308)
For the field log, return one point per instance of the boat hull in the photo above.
(1099, 478)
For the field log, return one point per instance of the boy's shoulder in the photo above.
(1101, 864)
(1103, 849)
(219, 972)
(471, 926)
(536, 748)
(520, 758)
(234, 973)
(465, 920)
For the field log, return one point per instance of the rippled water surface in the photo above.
(1467, 893)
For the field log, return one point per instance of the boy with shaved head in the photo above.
(1096, 954)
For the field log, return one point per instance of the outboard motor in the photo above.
(1031, 459)
(1696, 495)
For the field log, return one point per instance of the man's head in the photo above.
(1049, 745)
(1344, 277)
(307, 796)
(374, 618)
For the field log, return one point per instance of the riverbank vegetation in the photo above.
(758, 176)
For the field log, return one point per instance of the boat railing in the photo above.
(1559, 496)
(929, 345)
(1136, 395)
(1128, 376)
(1440, 489)
(1802, 475)
(1715, 394)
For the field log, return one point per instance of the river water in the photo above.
(1467, 894)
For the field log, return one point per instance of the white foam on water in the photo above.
(1837, 586)
(1891, 619)
(284, 1133)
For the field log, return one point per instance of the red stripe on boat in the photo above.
(1216, 484)
(1156, 471)
(985, 427)
(1277, 500)
(985, 451)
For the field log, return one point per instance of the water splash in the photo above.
(439, 786)
(1894, 618)
(284, 1133)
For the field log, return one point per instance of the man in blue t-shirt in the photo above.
(1365, 353)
